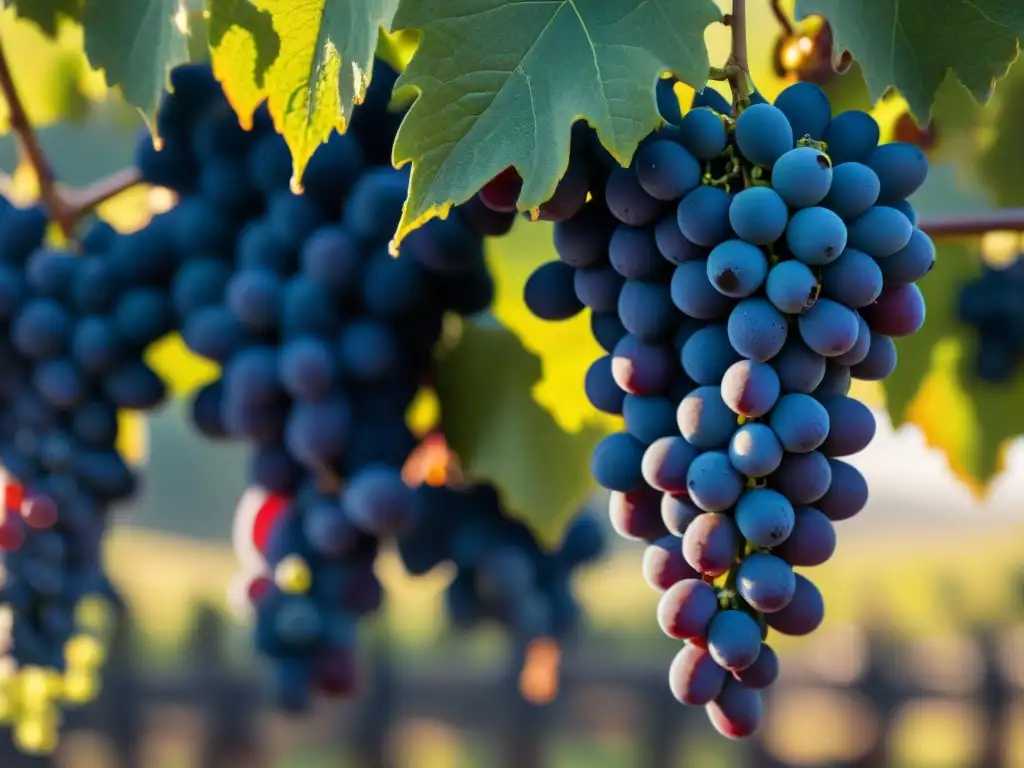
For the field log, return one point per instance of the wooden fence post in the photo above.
(120, 709)
(230, 703)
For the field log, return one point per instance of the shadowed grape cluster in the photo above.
(740, 273)
(323, 339)
(503, 574)
(993, 305)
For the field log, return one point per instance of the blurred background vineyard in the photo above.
(932, 567)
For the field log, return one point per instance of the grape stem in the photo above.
(1006, 219)
(84, 201)
(737, 68)
(782, 18)
(30, 150)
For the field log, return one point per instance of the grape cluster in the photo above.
(739, 273)
(323, 340)
(993, 305)
(75, 329)
(502, 572)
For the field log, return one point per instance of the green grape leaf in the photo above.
(310, 59)
(504, 436)
(500, 83)
(48, 13)
(1001, 160)
(911, 44)
(136, 43)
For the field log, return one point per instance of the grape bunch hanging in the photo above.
(740, 273)
(324, 340)
(993, 306)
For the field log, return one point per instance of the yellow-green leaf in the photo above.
(136, 43)
(500, 84)
(310, 59)
(48, 14)
(504, 436)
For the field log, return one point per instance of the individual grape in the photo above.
(758, 215)
(816, 236)
(58, 382)
(42, 329)
(800, 369)
(851, 137)
(616, 462)
(847, 494)
(852, 426)
(213, 333)
(607, 329)
(677, 512)
(765, 582)
(807, 108)
(757, 330)
(200, 283)
(666, 463)
(598, 288)
(550, 293)
(704, 419)
(486, 222)
(737, 268)
(812, 542)
(860, 349)
(837, 381)
(764, 517)
(254, 296)
(803, 478)
(143, 315)
(40, 512)
(711, 544)
(601, 390)
(317, 432)
(663, 564)
(686, 608)
(694, 678)
(737, 711)
(734, 639)
(707, 354)
(640, 368)
(378, 502)
(904, 207)
(646, 309)
(750, 389)
(910, 263)
(899, 312)
(307, 368)
(636, 514)
(829, 328)
(582, 241)
(763, 134)
(802, 177)
(763, 672)
(571, 192)
(633, 253)
(332, 257)
(627, 201)
(673, 245)
(792, 287)
(803, 614)
(901, 168)
(854, 279)
(880, 232)
(135, 385)
(95, 345)
(712, 483)
(854, 190)
(800, 421)
(666, 170)
(709, 98)
(755, 451)
(392, 289)
(695, 296)
(880, 361)
(703, 216)
(703, 133)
